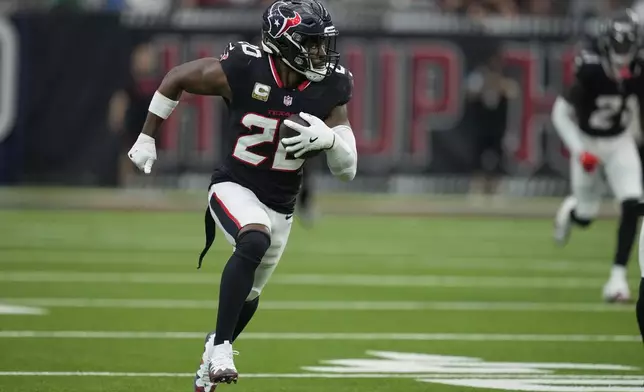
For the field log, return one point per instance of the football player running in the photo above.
(592, 119)
(253, 192)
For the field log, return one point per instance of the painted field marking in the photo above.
(399, 259)
(308, 375)
(488, 282)
(21, 310)
(128, 303)
(349, 336)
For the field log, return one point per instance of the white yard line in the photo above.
(324, 375)
(349, 336)
(323, 305)
(448, 263)
(21, 310)
(490, 282)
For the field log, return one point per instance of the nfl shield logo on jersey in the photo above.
(288, 100)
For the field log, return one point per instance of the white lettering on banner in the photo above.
(478, 373)
(8, 77)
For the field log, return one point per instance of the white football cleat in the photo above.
(221, 368)
(202, 379)
(616, 289)
(563, 221)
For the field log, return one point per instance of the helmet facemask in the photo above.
(619, 45)
(312, 55)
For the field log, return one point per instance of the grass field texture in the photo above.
(112, 301)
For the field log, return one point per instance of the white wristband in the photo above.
(162, 106)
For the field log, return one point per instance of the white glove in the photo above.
(317, 136)
(143, 153)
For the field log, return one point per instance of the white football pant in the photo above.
(621, 165)
(233, 207)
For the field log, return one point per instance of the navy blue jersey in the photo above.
(601, 102)
(259, 104)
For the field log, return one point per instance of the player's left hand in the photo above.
(317, 136)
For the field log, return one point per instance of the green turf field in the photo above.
(357, 304)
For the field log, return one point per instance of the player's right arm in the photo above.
(563, 111)
(564, 116)
(203, 77)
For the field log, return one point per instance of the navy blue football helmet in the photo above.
(302, 34)
(619, 39)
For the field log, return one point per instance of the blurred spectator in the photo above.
(489, 91)
(510, 8)
(615, 5)
(474, 8)
(454, 6)
(504, 7)
(144, 6)
(222, 3)
(67, 5)
(114, 5)
(129, 106)
(590, 8)
(538, 7)
(483, 8)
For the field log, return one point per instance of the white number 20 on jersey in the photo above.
(269, 127)
(609, 106)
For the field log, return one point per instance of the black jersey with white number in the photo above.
(259, 104)
(601, 103)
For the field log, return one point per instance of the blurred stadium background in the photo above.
(78, 76)
(451, 111)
